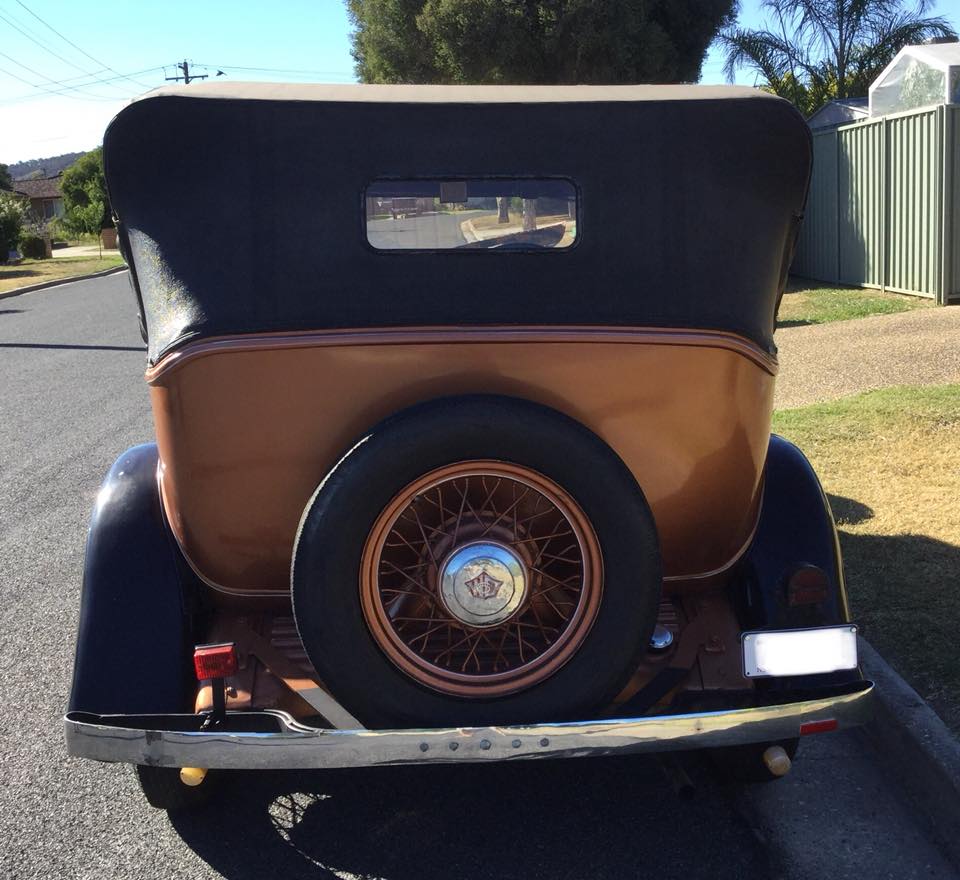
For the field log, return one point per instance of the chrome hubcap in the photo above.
(483, 584)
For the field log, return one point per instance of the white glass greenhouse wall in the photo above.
(884, 205)
(919, 76)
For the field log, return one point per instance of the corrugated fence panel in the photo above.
(879, 195)
(816, 255)
(951, 236)
(914, 215)
(861, 205)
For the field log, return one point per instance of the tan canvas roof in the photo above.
(405, 94)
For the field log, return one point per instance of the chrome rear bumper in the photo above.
(274, 740)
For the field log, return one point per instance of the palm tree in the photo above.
(811, 51)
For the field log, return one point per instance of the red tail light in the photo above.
(824, 726)
(808, 585)
(215, 661)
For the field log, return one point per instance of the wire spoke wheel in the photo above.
(481, 579)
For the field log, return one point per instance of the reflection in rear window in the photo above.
(476, 214)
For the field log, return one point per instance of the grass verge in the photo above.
(28, 272)
(810, 302)
(890, 461)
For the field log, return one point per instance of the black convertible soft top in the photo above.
(242, 206)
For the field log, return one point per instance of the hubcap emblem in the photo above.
(482, 584)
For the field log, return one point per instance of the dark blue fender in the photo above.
(134, 642)
(796, 528)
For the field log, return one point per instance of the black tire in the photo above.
(744, 764)
(338, 519)
(163, 789)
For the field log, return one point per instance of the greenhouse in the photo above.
(919, 76)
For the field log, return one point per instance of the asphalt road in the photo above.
(426, 231)
(72, 399)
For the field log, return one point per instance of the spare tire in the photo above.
(476, 560)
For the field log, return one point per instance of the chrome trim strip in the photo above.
(280, 742)
(462, 335)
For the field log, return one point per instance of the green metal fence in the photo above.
(884, 207)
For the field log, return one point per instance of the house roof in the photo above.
(839, 112)
(44, 188)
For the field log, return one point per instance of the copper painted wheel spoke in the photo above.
(422, 532)
(421, 526)
(564, 583)
(539, 624)
(473, 653)
(543, 537)
(553, 605)
(502, 515)
(463, 500)
(555, 587)
(488, 499)
(404, 543)
(534, 516)
(453, 647)
(419, 584)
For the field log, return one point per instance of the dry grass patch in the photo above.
(890, 460)
(810, 302)
(28, 272)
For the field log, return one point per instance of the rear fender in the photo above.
(134, 639)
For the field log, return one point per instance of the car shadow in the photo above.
(11, 311)
(567, 818)
(848, 511)
(904, 594)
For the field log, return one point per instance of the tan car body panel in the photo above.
(248, 426)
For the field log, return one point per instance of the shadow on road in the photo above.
(73, 347)
(537, 819)
(904, 591)
(11, 311)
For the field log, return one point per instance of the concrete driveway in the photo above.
(826, 361)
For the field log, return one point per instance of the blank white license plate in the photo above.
(775, 653)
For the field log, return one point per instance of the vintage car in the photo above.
(488, 482)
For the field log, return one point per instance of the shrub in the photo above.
(33, 246)
(13, 215)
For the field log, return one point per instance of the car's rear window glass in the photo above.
(475, 214)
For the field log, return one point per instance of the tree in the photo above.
(82, 183)
(812, 51)
(6, 182)
(534, 41)
(87, 218)
(13, 214)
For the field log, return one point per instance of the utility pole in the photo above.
(185, 67)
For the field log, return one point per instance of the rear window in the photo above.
(471, 214)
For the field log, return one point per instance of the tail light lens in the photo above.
(215, 661)
(808, 585)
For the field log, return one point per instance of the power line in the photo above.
(75, 46)
(51, 91)
(280, 70)
(65, 87)
(79, 88)
(45, 48)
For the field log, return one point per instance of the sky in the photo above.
(67, 67)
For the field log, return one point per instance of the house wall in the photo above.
(884, 204)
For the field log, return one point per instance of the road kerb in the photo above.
(917, 748)
(56, 282)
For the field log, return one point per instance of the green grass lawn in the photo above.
(810, 302)
(890, 460)
(28, 272)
